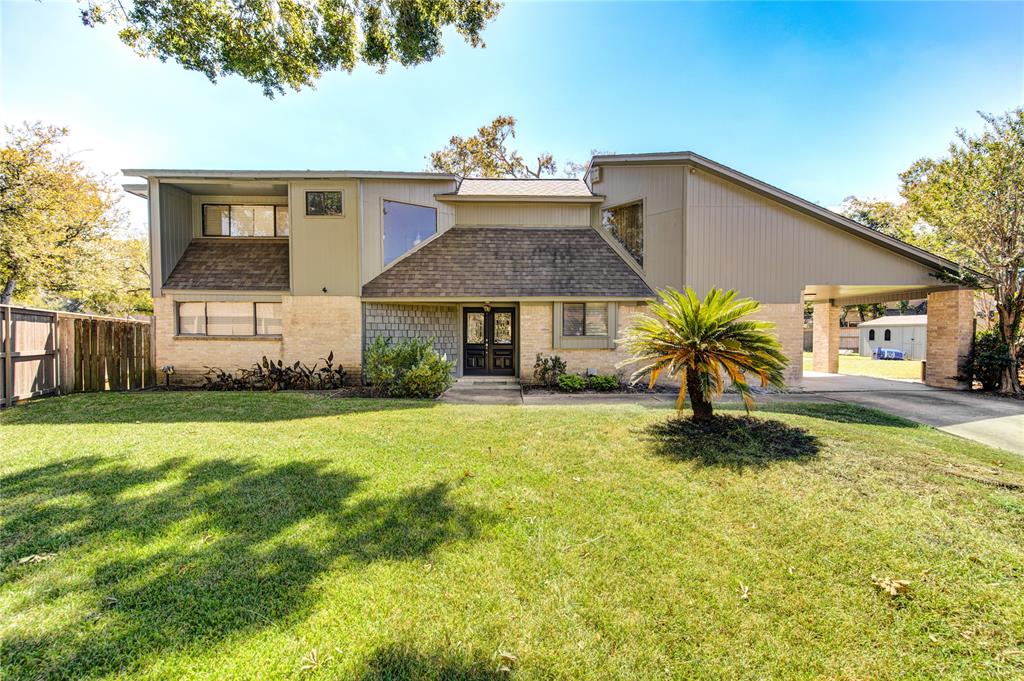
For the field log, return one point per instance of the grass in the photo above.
(865, 366)
(226, 536)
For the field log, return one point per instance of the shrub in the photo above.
(270, 375)
(547, 370)
(571, 383)
(991, 356)
(408, 368)
(604, 383)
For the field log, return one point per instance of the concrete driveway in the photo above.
(994, 421)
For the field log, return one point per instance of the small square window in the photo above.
(584, 319)
(323, 203)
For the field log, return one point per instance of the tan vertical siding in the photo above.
(738, 239)
(661, 189)
(418, 192)
(325, 250)
(522, 214)
(175, 227)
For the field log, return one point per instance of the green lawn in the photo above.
(233, 536)
(865, 366)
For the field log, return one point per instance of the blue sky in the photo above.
(824, 100)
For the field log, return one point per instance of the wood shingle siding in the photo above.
(482, 262)
(232, 264)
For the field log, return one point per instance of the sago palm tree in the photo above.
(703, 342)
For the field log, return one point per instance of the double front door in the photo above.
(489, 341)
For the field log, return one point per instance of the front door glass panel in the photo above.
(503, 328)
(475, 327)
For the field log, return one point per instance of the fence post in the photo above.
(8, 387)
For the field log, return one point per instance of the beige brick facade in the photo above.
(312, 326)
(191, 356)
(789, 328)
(536, 321)
(826, 337)
(950, 334)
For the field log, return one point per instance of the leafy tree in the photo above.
(974, 198)
(290, 43)
(704, 342)
(61, 232)
(486, 154)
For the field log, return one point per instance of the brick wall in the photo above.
(535, 336)
(397, 321)
(312, 326)
(950, 334)
(789, 329)
(190, 356)
(826, 337)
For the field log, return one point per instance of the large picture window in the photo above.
(584, 319)
(405, 226)
(626, 225)
(245, 220)
(229, 318)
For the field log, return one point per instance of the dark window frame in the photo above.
(607, 313)
(887, 335)
(383, 227)
(643, 228)
(341, 203)
(871, 334)
(206, 318)
(275, 206)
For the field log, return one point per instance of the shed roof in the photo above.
(505, 262)
(898, 320)
(232, 264)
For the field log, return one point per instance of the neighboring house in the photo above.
(295, 264)
(908, 333)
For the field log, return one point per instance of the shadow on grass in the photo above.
(207, 551)
(840, 413)
(731, 441)
(196, 407)
(403, 663)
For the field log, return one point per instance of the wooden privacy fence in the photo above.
(45, 353)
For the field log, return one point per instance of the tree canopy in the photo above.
(280, 44)
(487, 154)
(974, 199)
(62, 234)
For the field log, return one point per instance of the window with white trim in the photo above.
(245, 220)
(229, 318)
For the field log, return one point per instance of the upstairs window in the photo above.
(245, 220)
(405, 226)
(626, 225)
(584, 319)
(324, 203)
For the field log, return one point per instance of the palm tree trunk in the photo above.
(702, 410)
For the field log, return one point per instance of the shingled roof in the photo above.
(232, 264)
(491, 262)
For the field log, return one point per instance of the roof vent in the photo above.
(595, 174)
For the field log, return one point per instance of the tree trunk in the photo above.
(702, 410)
(5, 297)
(1009, 321)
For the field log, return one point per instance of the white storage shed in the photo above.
(907, 333)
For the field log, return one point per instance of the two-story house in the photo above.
(295, 264)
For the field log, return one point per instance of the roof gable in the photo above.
(504, 262)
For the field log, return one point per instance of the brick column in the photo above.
(826, 338)
(950, 333)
